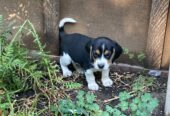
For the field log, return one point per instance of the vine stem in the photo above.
(133, 93)
(115, 98)
(18, 32)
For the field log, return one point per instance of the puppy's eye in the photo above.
(96, 53)
(107, 53)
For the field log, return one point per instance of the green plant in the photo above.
(84, 105)
(142, 83)
(16, 67)
(72, 85)
(137, 102)
(131, 104)
(140, 56)
(19, 72)
(6, 104)
(138, 106)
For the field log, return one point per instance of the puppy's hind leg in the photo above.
(65, 60)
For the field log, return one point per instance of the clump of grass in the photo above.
(16, 67)
(19, 72)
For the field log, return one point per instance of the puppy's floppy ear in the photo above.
(89, 48)
(118, 51)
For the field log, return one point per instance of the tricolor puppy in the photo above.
(87, 54)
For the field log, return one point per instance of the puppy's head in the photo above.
(103, 52)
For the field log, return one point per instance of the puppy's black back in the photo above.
(74, 45)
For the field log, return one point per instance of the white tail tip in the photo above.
(66, 20)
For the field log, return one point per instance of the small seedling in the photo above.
(140, 56)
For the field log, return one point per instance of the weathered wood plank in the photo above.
(51, 18)
(156, 32)
(166, 51)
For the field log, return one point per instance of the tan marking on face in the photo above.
(90, 52)
(97, 52)
(107, 52)
(112, 55)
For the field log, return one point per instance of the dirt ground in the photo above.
(122, 81)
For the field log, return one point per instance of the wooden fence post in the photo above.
(51, 18)
(156, 32)
(166, 51)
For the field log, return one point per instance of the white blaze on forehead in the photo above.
(103, 47)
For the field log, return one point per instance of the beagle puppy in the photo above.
(87, 55)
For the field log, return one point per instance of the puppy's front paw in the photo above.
(67, 73)
(107, 82)
(93, 86)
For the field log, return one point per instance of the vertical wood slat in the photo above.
(51, 18)
(166, 51)
(156, 32)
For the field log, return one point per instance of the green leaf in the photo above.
(53, 108)
(124, 96)
(146, 97)
(116, 112)
(93, 107)
(109, 109)
(123, 105)
(125, 50)
(96, 107)
(141, 57)
(90, 97)
(136, 100)
(133, 107)
(131, 56)
(152, 105)
(4, 105)
(105, 113)
(80, 103)
(142, 113)
(82, 111)
(80, 94)
(72, 85)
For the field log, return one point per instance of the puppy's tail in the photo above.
(63, 21)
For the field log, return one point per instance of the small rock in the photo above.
(155, 73)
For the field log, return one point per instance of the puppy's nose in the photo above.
(100, 66)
